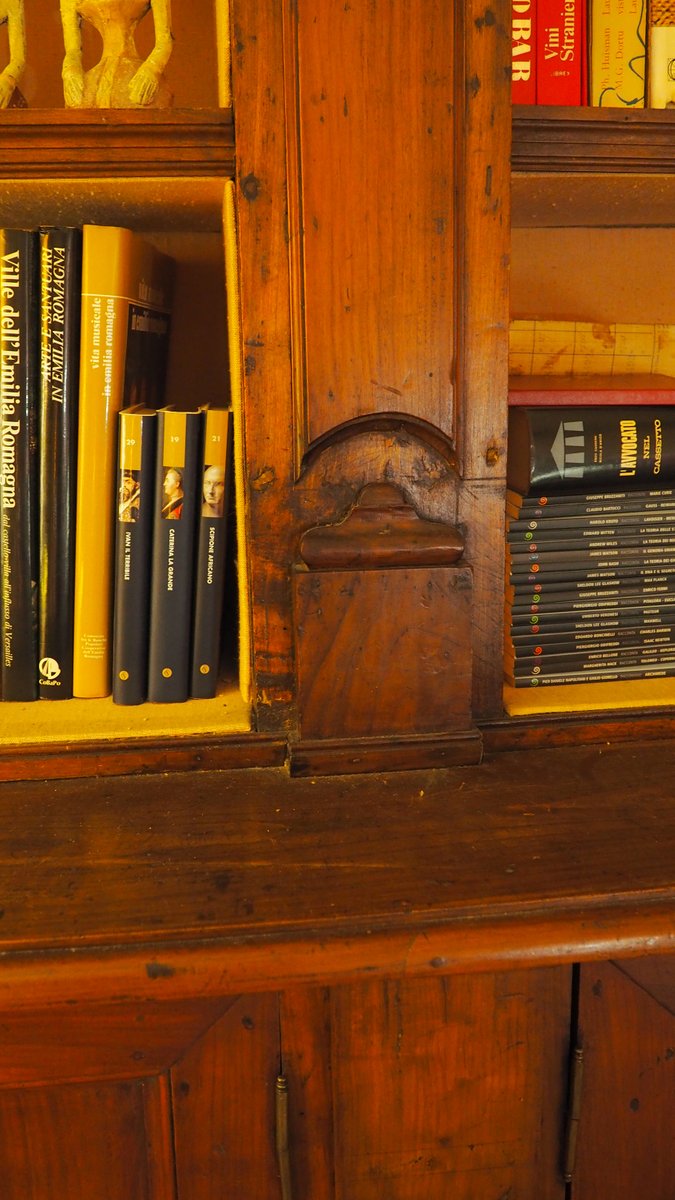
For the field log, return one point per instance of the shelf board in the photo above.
(64, 143)
(618, 141)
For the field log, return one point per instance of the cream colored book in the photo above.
(661, 57)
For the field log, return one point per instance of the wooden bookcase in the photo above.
(416, 941)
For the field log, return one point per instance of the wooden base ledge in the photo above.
(162, 973)
(355, 755)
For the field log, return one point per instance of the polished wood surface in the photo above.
(247, 879)
(626, 1144)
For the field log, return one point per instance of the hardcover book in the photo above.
(661, 53)
(127, 289)
(178, 483)
(618, 31)
(211, 553)
(61, 301)
(523, 51)
(552, 449)
(563, 391)
(582, 504)
(19, 484)
(133, 551)
(561, 52)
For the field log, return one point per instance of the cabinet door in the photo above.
(140, 1102)
(626, 1140)
(433, 1088)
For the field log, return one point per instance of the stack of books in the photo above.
(590, 557)
(606, 53)
(85, 338)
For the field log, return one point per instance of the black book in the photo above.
(528, 624)
(534, 590)
(600, 658)
(137, 438)
(573, 503)
(581, 564)
(177, 487)
(606, 675)
(61, 308)
(209, 596)
(587, 448)
(632, 524)
(592, 600)
(581, 546)
(585, 574)
(19, 484)
(626, 635)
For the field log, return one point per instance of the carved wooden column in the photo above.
(373, 158)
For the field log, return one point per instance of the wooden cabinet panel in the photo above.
(626, 1140)
(376, 127)
(78, 1142)
(436, 1087)
(224, 1106)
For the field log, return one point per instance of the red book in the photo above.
(561, 52)
(523, 74)
(553, 391)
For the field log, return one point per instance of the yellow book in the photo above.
(661, 60)
(553, 347)
(618, 31)
(127, 288)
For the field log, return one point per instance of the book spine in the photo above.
(61, 294)
(177, 482)
(211, 554)
(618, 53)
(560, 52)
(19, 485)
(523, 47)
(133, 551)
(120, 273)
(602, 676)
(661, 57)
(551, 449)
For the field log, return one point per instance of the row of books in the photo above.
(604, 53)
(590, 558)
(84, 334)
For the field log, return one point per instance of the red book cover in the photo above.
(551, 391)
(561, 52)
(523, 74)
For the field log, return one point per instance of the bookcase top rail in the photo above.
(619, 141)
(66, 143)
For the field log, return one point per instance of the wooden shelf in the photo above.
(592, 167)
(593, 140)
(64, 143)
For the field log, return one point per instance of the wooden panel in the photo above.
(450, 1087)
(224, 1115)
(171, 882)
(76, 1142)
(103, 1041)
(376, 127)
(626, 1142)
(384, 651)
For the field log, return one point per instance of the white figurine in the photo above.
(121, 79)
(12, 15)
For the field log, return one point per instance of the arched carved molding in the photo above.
(388, 448)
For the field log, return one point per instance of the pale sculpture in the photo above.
(121, 79)
(11, 14)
